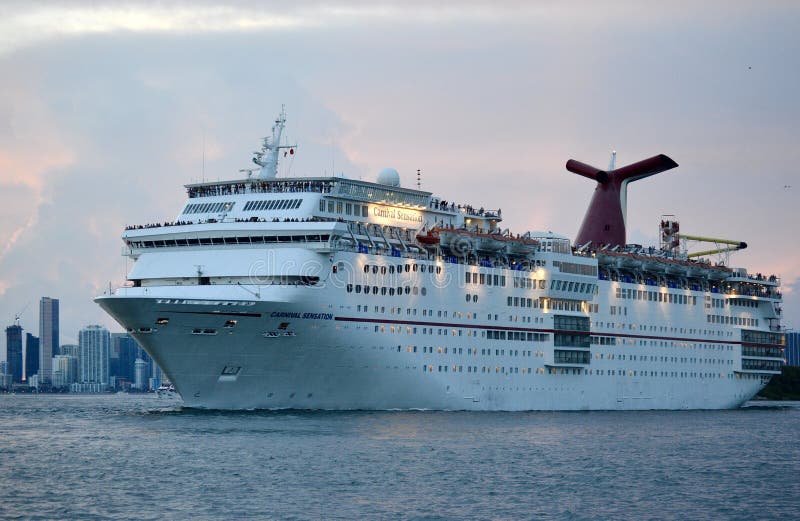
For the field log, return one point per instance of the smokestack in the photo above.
(604, 222)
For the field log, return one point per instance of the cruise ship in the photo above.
(271, 292)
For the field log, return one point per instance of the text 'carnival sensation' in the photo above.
(332, 293)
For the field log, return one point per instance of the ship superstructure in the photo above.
(334, 293)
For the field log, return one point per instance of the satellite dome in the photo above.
(389, 176)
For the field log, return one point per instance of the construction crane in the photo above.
(18, 315)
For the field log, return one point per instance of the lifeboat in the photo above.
(522, 245)
(429, 238)
(462, 241)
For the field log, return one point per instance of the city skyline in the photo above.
(130, 104)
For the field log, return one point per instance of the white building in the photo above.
(65, 370)
(140, 372)
(95, 346)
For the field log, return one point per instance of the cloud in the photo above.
(108, 110)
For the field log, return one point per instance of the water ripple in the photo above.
(134, 457)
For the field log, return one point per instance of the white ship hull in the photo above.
(332, 355)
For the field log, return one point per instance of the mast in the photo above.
(267, 157)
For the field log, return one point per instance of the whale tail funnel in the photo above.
(604, 222)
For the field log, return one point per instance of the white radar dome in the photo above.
(389, 176)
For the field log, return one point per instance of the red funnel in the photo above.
(604, 222)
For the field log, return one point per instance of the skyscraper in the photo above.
(31, 355)
(14, 352)
(793, 348)
(95, 344)
(123, 356)
(140, 379)
(48, 337)
(5, 378)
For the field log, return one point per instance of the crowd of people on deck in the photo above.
(469, 209)
(260, 187)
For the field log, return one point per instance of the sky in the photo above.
(107, 109)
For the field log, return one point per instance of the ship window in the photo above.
(374, 290)
(330, 206)
(230, 370)
(348, 209)
(339, 207)
(321, 205)
(364, 211)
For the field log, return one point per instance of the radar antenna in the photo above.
(267, 157)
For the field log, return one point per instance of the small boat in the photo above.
(429, 238)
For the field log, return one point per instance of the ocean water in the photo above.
(139, 457)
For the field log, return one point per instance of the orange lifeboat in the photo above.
(429, 238)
